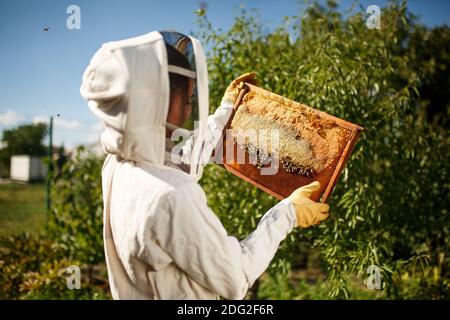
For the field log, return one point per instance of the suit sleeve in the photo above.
(200, 246)
(215, 124)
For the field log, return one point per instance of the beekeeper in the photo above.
(161, 239)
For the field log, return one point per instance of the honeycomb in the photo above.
(308, 142)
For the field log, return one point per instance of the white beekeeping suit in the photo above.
(162, 241)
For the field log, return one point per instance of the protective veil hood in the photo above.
(127, 86)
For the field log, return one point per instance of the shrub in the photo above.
(34, 267)
(390, 207)
(76, 218)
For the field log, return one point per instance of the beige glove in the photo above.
(308, 212)
(232, 90)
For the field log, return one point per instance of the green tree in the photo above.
(76, 217)
(390, 208)
(430, 59)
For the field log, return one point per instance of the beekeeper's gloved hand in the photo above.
(308, 212)
(232, 91)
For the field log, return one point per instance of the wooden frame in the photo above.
(283, 184)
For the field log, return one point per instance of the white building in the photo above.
(27, 168)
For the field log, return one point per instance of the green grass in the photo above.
(22, 208)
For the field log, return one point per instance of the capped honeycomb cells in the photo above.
(266, 128)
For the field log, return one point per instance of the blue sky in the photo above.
(41, 71)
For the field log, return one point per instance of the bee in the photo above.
(290, 167)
